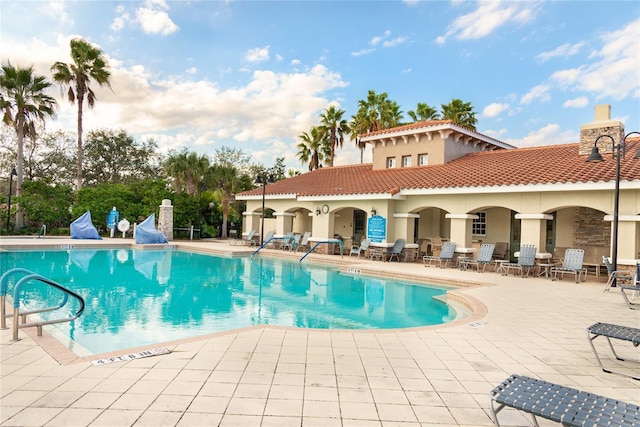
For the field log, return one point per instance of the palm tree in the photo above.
(333, 124)
(423, 112)
(460, 113)
(24, 103)
(314, 148)
(225, 181)
(356, 128)
(88, 65)
(187, 170)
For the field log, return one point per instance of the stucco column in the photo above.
(405, 225)
(284, 222)
(533, 230)
(251, 222)
(165, 219)
(628, 226)
(461, 226)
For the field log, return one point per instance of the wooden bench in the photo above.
(565, 405)
(609, 331)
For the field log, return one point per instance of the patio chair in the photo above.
(292, 243)
(634, 289)
(618, 276)
(436, 246)
(617, 332)
(397, 248)
(357, 250)
(246, 241)
(571, 263)
(567, 406)
(268, 238)
(485, 256)
(527, 259)
(501, 251)
(446, 255)
(304, 242)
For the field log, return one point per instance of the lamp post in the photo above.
(618, 151)
(263, 179)
(13, 173)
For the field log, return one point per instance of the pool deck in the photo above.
(275, 376)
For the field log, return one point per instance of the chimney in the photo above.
(601, 125)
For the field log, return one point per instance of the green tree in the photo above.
(23, 102)
(88, 65)
(115, 156)
(187, 170)
(46, 204)
(314, 148)
(460, 113)
(357, 127)
(423, 112)
(332, 123)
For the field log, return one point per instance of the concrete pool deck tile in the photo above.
(158, 419)
(525, 326)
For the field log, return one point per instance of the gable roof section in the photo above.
(553, 164)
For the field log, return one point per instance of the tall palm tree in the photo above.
(88, 65)
(333, 124)
(423, 112)
(176, 167)
(314, 148)
(460, 113)
(24, 103)
(357, 127)
(225, 181)
(187, 170)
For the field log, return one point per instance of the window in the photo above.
(391, 162)
(479, 226)
(423, 159)
(406, 161)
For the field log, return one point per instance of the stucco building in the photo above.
(436, 178)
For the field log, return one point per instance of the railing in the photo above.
(329, 241)
(266, 243)
(29, 276)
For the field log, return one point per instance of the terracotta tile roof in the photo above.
(523, 166)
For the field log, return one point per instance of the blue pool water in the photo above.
(141, 297)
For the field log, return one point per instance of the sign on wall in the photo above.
(377, 228)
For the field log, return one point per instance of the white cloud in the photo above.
(154, 19)
(539, 92)
(563, 50)
(579, 102)
(378, 39)
(362, 52)
(494, 109)
(394, 42)
(488, 17)
(258, 54)
(547, 135)
(191, 70)
(57, 10)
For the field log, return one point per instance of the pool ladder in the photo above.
(18, 314)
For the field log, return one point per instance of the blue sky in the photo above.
(256, 74)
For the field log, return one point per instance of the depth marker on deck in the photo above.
(137, 355)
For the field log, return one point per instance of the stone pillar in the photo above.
(533, 230)
(601, 125)
(165, 219)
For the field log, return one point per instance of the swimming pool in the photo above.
(140, 297)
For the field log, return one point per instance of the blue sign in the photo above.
(377, 228)
(112, 219)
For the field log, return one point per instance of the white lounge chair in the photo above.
(357, 250)
(485, 256)
(304, 242)
(620, 277)
(527, 259)
(446, 255)
(571, 263)
(397, 248)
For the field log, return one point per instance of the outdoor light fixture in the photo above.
(263, 179)
(317, 211)
(13, 173)
(618, 151)
(373, 211)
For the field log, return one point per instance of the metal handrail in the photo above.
(16, 301)
(329, 241)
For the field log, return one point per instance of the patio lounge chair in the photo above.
(527, 259)
(268, 239)
(565, 405)
(571, 263)
(304, 242)
(446, 255)
(501, 251)
(292, 243)
(397, 248)
(357, 250)
(634, 289)
(609, 331)
(246, 241)
(620, 277)
(485, 255)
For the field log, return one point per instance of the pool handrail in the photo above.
(16, 302)
(4, 288)
(266, 243)
(328, 241)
